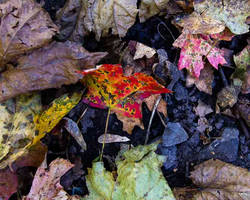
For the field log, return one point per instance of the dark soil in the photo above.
(180, 157)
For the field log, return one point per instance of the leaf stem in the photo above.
(105, 133)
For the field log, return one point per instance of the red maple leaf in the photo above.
(193, 47)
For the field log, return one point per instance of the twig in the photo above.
(83, 113)
(151, 118)
(105, 133)
(162, 121)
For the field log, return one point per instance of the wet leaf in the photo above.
(49, 118)
(139, 177)
(108, 87)
(193, 47)
(48, 67)
(25, 26)
(232, 14)
(17, 128)
(46, 183)
(218, 180)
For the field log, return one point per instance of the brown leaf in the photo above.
(8, 183)
(162, 106)
(48, 67)
(46, 183)
(218, 180)
(129, 123)
(204, 83)
(24, 26)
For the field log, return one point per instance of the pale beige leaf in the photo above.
(111, 138)
(143, 50)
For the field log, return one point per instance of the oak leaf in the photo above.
(108, 87)
(193, 47)
(25, 26)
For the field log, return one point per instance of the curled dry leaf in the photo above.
(143, 50)
(218, 180)
(232, 14)
(17, 128)
(48, 67)
(193, 47)
(111, 138)
(46, 183)
(24, 26)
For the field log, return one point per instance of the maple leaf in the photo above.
(193, 47)
(108, 87)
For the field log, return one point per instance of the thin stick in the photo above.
(105, 133)
(83, 113)
(162, 121)
(151, 118)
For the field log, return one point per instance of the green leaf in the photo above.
(139, 177)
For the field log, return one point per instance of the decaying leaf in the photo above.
(193, 47)
(111, 138)
(108, 87)
(149, 8)
(204, 83)
(17, 128)
(8, 183)
(24, 26)
(232, 14)
(143, 50)
(162, 106)
(218, 180)
(242, 62)
(49, 118)
(202, 109)
(48, 67)
(139, 177)
(46, 183)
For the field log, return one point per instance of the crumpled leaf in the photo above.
(8, 183)
(139, 177)
(108, 87)
(46, 183)
(48, 119)
(217, 180)
(193, 47)
(242, 62)
(149, 8)
(17, 128)
(48, 67)
(232, 14)
(204, 83)
(25, 26)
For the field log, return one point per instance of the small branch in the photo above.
(151, 118)
(83, 113)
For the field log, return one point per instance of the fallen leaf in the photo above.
(25, 26)
(242, 62)
(143, 50)
(243, 107)
(217, 180)
(204, 83)
(232, 14)
(193, 47)
(8, 183)
(162, 106)
(48, 67)
(108, 87)
(226, 35)
(202, 109)
(139, 177)
(74, 130)
(46, 183)
(149, 8)
(111, 138)
(17, 126)
(48, 119)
